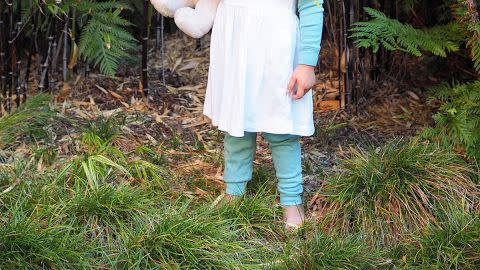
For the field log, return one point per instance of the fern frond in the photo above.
(466, 14)
(458, 118)
(396, 36)
(104, 40)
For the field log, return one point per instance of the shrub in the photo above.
(331, 252)
(252, 216)
(180, 238)
(457, 122)
(455, 244)
(29, 120)
(30, 242)
(398, 187)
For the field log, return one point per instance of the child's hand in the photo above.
(304, 78)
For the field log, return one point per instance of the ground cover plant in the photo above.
(398, 187)
(106, 207)
(452, 245)
(100, 176)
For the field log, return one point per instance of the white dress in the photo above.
(254, 49)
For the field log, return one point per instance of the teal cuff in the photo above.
(309, 57)
(290, 201)
(236, 189)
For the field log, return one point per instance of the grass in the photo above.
(180, 238)
(322, 252)
(109, 205)
(30, 242)
(253, 216)
(405, 205)
(455, 244)
(29, 120)
(397, 188)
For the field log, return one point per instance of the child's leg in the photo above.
(287, 158)
(238, 153)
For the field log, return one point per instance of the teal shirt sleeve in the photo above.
(311, 27)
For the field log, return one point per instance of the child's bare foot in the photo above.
(294, 217)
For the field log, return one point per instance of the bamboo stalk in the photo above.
(2, 58)
(18, 88)
(162, 50)
(19, 10)
(73, 60)
(18, 64)
(3, 88)
(55, 50)
(9, 60)
(65, 47)
(145, 48)
(158, 31)
(43, 85)
(32, 50)
(8, 95)
(339, 44)
(13, 61)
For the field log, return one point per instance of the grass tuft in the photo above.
(106, 128)
(325, 252)
(396, 188)
(31, 243)
(181, 238)
(30, 120)
(253, 216)
(455, 244)
(109, 205)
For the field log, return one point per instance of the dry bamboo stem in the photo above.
(145, 48)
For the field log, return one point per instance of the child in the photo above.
(261, 72)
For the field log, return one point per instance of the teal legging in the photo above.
(286, 153)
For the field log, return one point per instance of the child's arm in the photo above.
(311, 27)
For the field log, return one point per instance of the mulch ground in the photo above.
(173, 111)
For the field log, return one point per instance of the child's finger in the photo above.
(300, 92)
(291, 84)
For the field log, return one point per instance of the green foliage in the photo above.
(394, 35)
(109, 205)
(27, 242)
(105, 36)
(324, 252)
(99, 161)
(396, 188)
(462, 28)
(466, 14)
(104, 39)
(29, 120)
(252, 215)
(183, 239)
(455, 244)
(106, 128)
(457, 122)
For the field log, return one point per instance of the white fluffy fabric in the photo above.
(168, 7)
(197, 22)
(194, 17)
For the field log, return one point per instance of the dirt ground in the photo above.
(173, 113)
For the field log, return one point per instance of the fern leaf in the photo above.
(395, 36)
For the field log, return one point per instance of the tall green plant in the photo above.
(105, 35)
(397, 188)
(396, 36)
(104, 39)
(458, 118)
(457, 122)
(463, 28)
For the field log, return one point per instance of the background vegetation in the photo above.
(91, 189)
